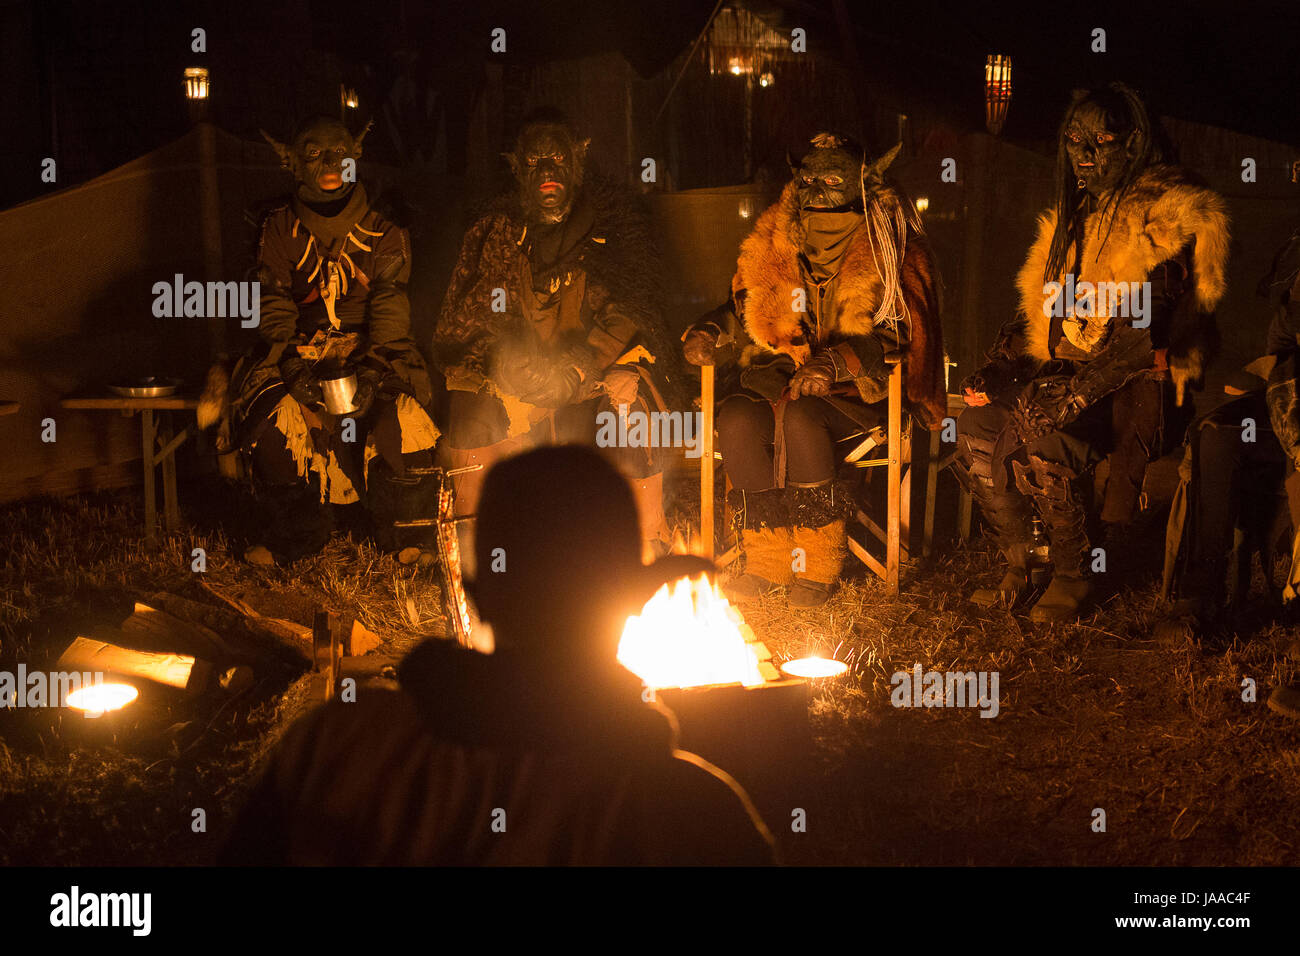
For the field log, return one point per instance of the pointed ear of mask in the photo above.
(1134, 143)
(281, 149)
(512, 162)
(875, 173)
(580, 150)
(356, 143)
(794, 164)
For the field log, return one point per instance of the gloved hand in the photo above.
(302, 384)
(621, 384)
(814, 377)
(557, 386)
(977, 385)
(363, 398)
(700, 343)
(517, 367)
(415, 378)
(1042, 407)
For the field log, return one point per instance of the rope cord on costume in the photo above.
(887, 231)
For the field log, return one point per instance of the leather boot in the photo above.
(649, 494)
(295, 524)
(1014, 586)
(820, 539)
(1055, 493)
(1196, 614)
(766, 542)
(1008, 515)
(469, 486)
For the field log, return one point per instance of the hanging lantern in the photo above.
(997, 92)
(922, 204)
(196, 83)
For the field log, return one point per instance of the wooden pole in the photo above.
(893, 517)
(706, 461)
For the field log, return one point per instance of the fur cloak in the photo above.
(619, 257)
(768, 273)
(1165, 211)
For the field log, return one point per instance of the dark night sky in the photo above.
(1229, 64)
(98, 81)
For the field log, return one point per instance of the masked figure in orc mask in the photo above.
(333, 273)
(550, 327)
(835, 276)
(1116, 295)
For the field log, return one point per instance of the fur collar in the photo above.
(768, 271)
(1165, 209)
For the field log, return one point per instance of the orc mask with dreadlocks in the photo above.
(1105, 142)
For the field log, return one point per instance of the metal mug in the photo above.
(338, 394)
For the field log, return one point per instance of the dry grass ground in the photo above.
(74, 791)
(1092, 715)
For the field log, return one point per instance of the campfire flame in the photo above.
(689, 635)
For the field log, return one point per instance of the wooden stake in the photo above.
(893, 518)
(706, 461)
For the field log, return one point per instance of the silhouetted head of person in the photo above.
(558, 553)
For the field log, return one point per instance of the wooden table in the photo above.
(158, 445)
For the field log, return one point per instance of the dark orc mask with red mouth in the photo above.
(548, 162)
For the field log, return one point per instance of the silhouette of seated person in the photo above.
(542, 753)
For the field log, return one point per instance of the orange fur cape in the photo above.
(768, 274)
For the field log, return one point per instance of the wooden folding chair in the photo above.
(895, 535)
(898, 486)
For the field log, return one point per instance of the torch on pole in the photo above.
(706, 461)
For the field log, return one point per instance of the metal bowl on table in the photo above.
(150, 387)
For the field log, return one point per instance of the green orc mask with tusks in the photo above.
(316, 156)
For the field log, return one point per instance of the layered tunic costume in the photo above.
(333, 294)
(581, 295)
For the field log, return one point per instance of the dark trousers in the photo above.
(1235, 482)
(811, 427)
(1128, 426)
(298, 523)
